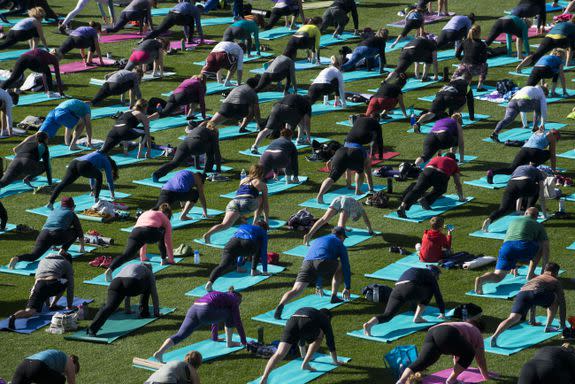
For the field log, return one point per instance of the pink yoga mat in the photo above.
(471, 376)
(113, 38)
(502, 38)
(79, 66)
(196, 42)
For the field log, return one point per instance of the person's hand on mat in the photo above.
(441, 316)
(462, 198)
(319, 291)
(185, 217)
(371, 232)
(346, 294)
(535, 323)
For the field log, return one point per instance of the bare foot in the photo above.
(478, 289)
(367, 329)
(306, 239)
(206, 239)
(419, 320)
(159, 356)
(208, 286)
(307, 367)
(320, 200)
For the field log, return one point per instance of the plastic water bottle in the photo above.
(417, 247)
(450, 227)
(138, 212)
(562, 205)
(261, 335)
(412, 119)
(196, 257)
(325, 100)
(464, 314)
(183, 44)
(243, 174)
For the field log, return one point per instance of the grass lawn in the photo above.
(112, 363)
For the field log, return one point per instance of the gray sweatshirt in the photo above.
(173, 372)
(58, 267)
(244, 94)
(124, 76)
(141, 272)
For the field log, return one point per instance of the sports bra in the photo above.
(247, 189)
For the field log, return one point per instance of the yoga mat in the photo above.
(397, 46)
(469, 376)
(394, 271)
(551, 99)
(429, 18)
(416, 214)
(278, 33)
(343, 191)
(154, 260)
(318, 4)
(36, 98)
(122, 159)
(571, 247)
(568, 155)
(446, 55)
(168, 123)
(118, 325)
(114, 38)
(232, 132)
(220, 239)
(498, 228)
(28, 268)
(267, 97)
(291, 373)
(413, 84)
(522, 133)
(314, 301)
(360, 74)
(261, 150)
(570, 197)
(327, 40)
(400, 326)
(19, 187)
(395, 115)
(20, 18)
(532, 32)
(79, 66)
(320, 109)
(374, 160)
(499, 181)
(160, 11)
(247, 59)
(9, 227)
(527, 71)
(195, 213)
(100, 113)
(147, 77)
(354, 237)
(520, 337)
(487, 90)
(211, 21)
(150, 183)
(274, 186)
(214, 87)
(190, 46)
(12, 55)
(82, 202)
(59, 150)
(300, 65)
(466, 121)
(240, 281)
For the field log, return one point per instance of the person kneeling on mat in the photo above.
(551, 364)
(48, 366)
(545, 291)
(176, 371)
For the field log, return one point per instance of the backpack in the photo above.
(325, 151)
(376, 293)
(302, 220)
(408, 171)
(549, 189)
(504, 86)
(31, 122)
(514, 143)
(379, 200)
(472, 311)
(400, 358)
(34, 82)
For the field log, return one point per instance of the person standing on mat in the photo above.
(63, 27)
(243, 30)
(7, 101)
(455, 30)
(336, 15)
(306, 37)
(212, 308)
(189, 94)
(446, 133)
(185, 187)
(248, 241)
(562, 35)
(281, 154)
(32, 158)
(532, 8)
(62, 227)
(184, 13)
(436, 175)
(326, 259)
(293, 8)
(550, 67)
(149, 52)
(137, 10)
(512, 25)
(246, 201)
(54, 275)
(29, 28)
(133, 280)
(225, 55)
(291, 112)
(472, 53)
(306, 326)
(176, 371)
(415, 19)
(368, 50)
(118, 83)
(441, 6)
(348, 208)
(418, 50)
(48, 366)
(387, 97)
(282, 67)
(73, 114)
(550, 364)
(463, 340)
(152, 226)
(328, 81)
(525, 241)
(415, 286)
(82, 38)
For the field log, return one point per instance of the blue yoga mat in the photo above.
(406, 40)
(9, 227)
(527, 71)
(522, 133)
(35, 98)
(60, 150)
(12, 55)
(300, 65)
(28, 268)
(520, 337)
(446, 55)
(168, 122)
(466, 121)
(568, 155)
(240, 281)
(277, 33)
(231, 133)
(570, 197)
(213, 87)
(150, 183)
(417, 214)
(122, 159)
(100, 113)
(82, 202)
(354, 237)
(499, 181)
(211, 21)
(320, 109)
(160, 11)
(498, 228)
(571, 247)
(327, 40)
(247, 59)
(270, 96)
(343, 191)
(274, 186)
(261, 150)
(220, 239)
(291, 373)
(195, 213)
(155, 260)
(400, 326)
(414, 84)
(314, 301)
(394, 271)
(360, 74)
(19, 187)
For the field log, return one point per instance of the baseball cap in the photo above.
(339, 231)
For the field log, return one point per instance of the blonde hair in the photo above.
(141, 105)
(139, 71)
(414, 378)
(457, 116)
(336, 61)
(383, 32)
(211, 125)
(560, 52)
(256, 172)
(474, 32)
(436, 222)
(37, 13)
(166, 210)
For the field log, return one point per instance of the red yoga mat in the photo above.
(502, 38)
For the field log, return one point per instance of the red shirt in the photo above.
(445, 164)
(432, 245)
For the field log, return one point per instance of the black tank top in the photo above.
(127, 120)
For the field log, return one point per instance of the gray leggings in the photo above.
(514, 108)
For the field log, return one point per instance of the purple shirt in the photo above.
(197, 89)
(182, 181)
(229, 301)
(447, 124)
(85, 32)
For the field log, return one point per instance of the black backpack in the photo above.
(504, 86)
(325, 151)
(376, 293)
(379, 200)
(408, 171)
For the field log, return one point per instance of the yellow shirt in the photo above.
(312, 31)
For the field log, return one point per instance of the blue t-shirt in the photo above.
(54, 359)
(102, 162)
(528, 171)
(566, 29)
(59, 219)
(77, 107)
(538, 141)
(258, 235)
(330, 247)
(550, 61)
(182, 181)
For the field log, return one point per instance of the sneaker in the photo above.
(12, 322)
(424, 204)
(97, 262)
(278, 312)
(155, 178)
(208, 287)
(254, 150)
(335, 300)
(401, 213)
(50, 206)
(495, 137)
(62, 29)
(106, 262)
(490, 176)
(108, 275)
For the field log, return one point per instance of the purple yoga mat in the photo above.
(79, 66)
(113, 38)
(470, 376)
(196, 42)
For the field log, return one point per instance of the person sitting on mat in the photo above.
(152, 226)
(189, 94)
(8, 99)
(118, 83)
(446, 133)
(472, 53)
(248, 241)
(184, 13)
(463, 340)
(321, 262)
(54, 275)
(306, 326)
(388, 96)
(29, 29)
(435, 246)
(246, 201)
(415, 286)
(436, 175)
(293, 8)
(82, 38)
(533, 8)
(133, 280)
(177, 371)
(550, 67)
(415, 19)
(455, 31)
(368, 50)
(137, 10)
(184, 187)
(212, 308)
(550, 364)
(418, 50)
(48, 366)
(346, 160)
(225, 55)
(328, 81)
(243, 30)
(336, 15)
(545, 291)
(281, 154)
(348, 208)
(525, 241)
(512, 25)
(62, 227)
(282, 67)
(149, 52)
(74, 115)
(63, 27)
(306, 37)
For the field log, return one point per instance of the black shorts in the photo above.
(312, 269)
(348, 158)
(234, 111)
(444, 101)
(43, 290)
(300, 330)
(539, 73)
(527, 299)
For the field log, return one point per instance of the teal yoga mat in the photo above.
(211, 21)
(568, 155)
(60, 150)
(150, 183)
(417, 214)
(570, 197)
(28, 268)
(82, 202)
(527, 71)
(213, 87)
(240, 281)
(499, 181)
(395, 116)
(360, 74)
(400, 326)
(446, 55)
(270, 96)
(195, 213)
(220, 239)
(320, 109)
(147, 77)
(19, 187)
(35, 98)
(551, 99)
(300, 65)
(487, 90)
(155, 260)
(571, 247)
(520, 337)
(522, 133)
(9, 227)
(12, 55)
(398, 46)
(343, 191)
(131, 157)
(247, 59)
(394, 271)
(354, 237)
(466, 121)
(100, 113)
(498, 228)
(277, 33)
(291, 373)
(314, 301)
(232, 132)
(327, 40)
(274, 186)
(160, 11)
(168, 123)
(118, 325)
(261, 150)
(414, 84)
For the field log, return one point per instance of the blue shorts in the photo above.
(515, 251)
(55, 119)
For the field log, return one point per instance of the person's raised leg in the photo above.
(311, 350)
(318, 224)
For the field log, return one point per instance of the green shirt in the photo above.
(251, 27)
(525, 228)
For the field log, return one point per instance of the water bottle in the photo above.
(81, 312)
(325, 100)
(412, 119)
(183, 44)
(390, 185)
(417, 247)
(450, 227)
(196, 257)
(261, 335)
(464, 314)
(562, 205)
(159, 107)
(243, 174)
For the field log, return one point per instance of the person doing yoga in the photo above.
(82, 38)
(21, 7)
(550, 67)
(293, 8)
(189, 94)
(282, 67)
(366, 131)
(418, 50)
(241, 105)
(243, 30)
(225, 55)
(388, 96)
(446, 133)
(137, 10)
(63, 27)
(184, 187)
(473, 53)
(118, 83)
(8, 99)
(32, 158)
(455, 31)
(328, 81)
(74, 115)
(562, 35)
(550, 364)
(532, 8)
(28, 29)
(368, 51)
(149, 52)
(512, 25)
(184, 13)
(281, 154)
(435, 245)
(306, 37)
(415, 19)
(176, 371)
(47, 367)
(336, 15)
(441, 6)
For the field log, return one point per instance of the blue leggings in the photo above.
(359, 53)
(199, 315)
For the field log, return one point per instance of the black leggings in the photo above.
(538, 9)
(138, 238)
(410, 56)
(503, 26)
(234, 248)
(47, 239)
(540, 73)
(177, 100)
(352, 159)
(548, 44)
(277, 13)
(543, 372)
(443, 340)
(119, 289)
(117, 135)
(20, 168)
(238, 33)
(428, 178)
(169, 21)
(78, 42)
(3, 216)
(524, 188)
(110, 89)
(276, 160)
(523, 157)
(172, 197)
(185, 150)
(402, 294)
(36, 371)
(436, 141)
(410, 25)
(299, 42)
(317, 90)
(334, 16)
(268, 78)
(28, 62)
(448, 36)
(77, 169)
(13, 37)
(126, 17)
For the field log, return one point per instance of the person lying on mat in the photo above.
(74, 115)
(189, 94)
(369, 50)
(550, 364)
(293, 8)
(472, 52)
(82, 38)
(281, 155)
(463, 340)
(282, 67)
(225, 55)
(291, 112)
(137, 10)
(419, 50)
(62, 227)
(152, 226)
(118, 83)
(306, 37)
(246, 201)
(328, 81)
(525, 241)
(336, 15)
(149, 52)
(80, 5)
(512, 25)
(415, 19)
(446, 133)
(8, 99)
(533, 8)
(545, 291)
(213, 308)
(415, 285)
(133, 280)
(243, 30)
(550, 67)
(184, 13)
(28, 29)
(388, 96)
(184, 187)
(436, 175)
(54, 275)
(48, 366)
(175, 371)
(435, 246)
(366, 134)
(321, 264)
(455, 31)
(248, 241)
(346, 160)
(306, 328)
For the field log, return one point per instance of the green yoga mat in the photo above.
(220, 239)
(118, 325)
(131, 157)
(354, 237)
(274, 186)
(327, 40)
(499, 181)
(195, 214)
(240, 281)
(19, 186)
(568, 155)
(343, 191)
(522, 134)
(394, 271)
(28, 268)
(261, 150)
(291, 373)
(82, 202)
(498, 228)
(520, 337)
(100, 113)
(400, 326)
(416, 214)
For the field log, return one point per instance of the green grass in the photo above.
(112, 363)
